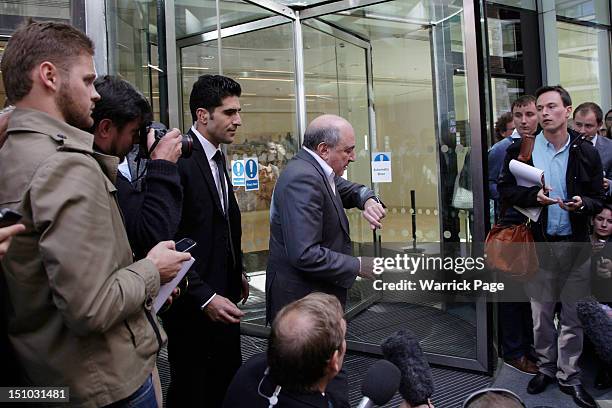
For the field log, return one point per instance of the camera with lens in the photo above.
(160, 131)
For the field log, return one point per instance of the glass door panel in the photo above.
(336, 83)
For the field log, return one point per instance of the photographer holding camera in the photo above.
(148, 184)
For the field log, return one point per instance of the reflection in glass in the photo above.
(133, 50)
(596, 11)
(14, 13)
(200, 17)
(581, 50)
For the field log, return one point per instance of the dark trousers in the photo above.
(203, 356)
(516, 329)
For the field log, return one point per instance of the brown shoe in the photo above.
(524, 365)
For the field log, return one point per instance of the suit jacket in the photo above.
(310, 245)
(214, 270)
(251, 380)
(604, 147)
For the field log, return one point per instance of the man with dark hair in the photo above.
(305, 352)
(204, 325)
(588, 118)
(504, 126)
(149, 191)
(573, 192)
(80, 309)
(311, 193)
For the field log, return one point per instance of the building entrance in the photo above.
(397, 71)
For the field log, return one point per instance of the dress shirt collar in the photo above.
(329, 172)
(209, 148)
(549, 145)
(515, 135)
(593, 140)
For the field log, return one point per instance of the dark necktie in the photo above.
(220, 161)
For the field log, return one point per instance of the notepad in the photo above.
(166, 289)
(527, 176)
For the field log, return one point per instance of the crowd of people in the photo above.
(572, 233)
(103, 197)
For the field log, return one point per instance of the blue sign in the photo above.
(251, 167)
(381, 157)
(238, 179)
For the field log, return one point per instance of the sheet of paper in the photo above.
(527, 176)
(166, 289)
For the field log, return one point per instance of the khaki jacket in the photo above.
(77, 307)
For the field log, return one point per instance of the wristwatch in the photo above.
(379, 201)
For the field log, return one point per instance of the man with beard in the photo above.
(79, 311)
(204, 325)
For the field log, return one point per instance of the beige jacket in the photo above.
(77, 303)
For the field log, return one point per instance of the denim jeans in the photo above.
(143, 397)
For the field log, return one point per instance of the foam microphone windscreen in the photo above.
(381, 382)
(403, 350)
(597, 326)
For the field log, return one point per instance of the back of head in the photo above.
(120, 102)
(586, 107)
(305, 335)
(36, 42)
(565, 96)
(494, 399)
(209, 91)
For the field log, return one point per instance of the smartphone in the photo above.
(185, 244)
(8, 217)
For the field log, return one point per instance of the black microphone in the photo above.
(597, 326)
(403, 350)
(380, 384)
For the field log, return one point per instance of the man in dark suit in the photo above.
(310, 245)
(204, 326)
(588, 118)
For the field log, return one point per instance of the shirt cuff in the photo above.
(208, 301)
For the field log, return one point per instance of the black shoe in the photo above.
(581, 397)
(603, 379)
(539, 383)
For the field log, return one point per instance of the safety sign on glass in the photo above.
(238, 173)
(251, 170)
(381, 167)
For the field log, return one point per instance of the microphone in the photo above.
(597, 326)
(380, 384)
(403, 350)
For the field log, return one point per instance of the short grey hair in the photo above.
(313, 136)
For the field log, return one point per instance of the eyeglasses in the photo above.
(501, 391)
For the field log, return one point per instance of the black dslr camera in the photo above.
(160, 131)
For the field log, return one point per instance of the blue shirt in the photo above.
(496, 157)
(554, 164)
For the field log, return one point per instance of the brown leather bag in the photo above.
(510, 249)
